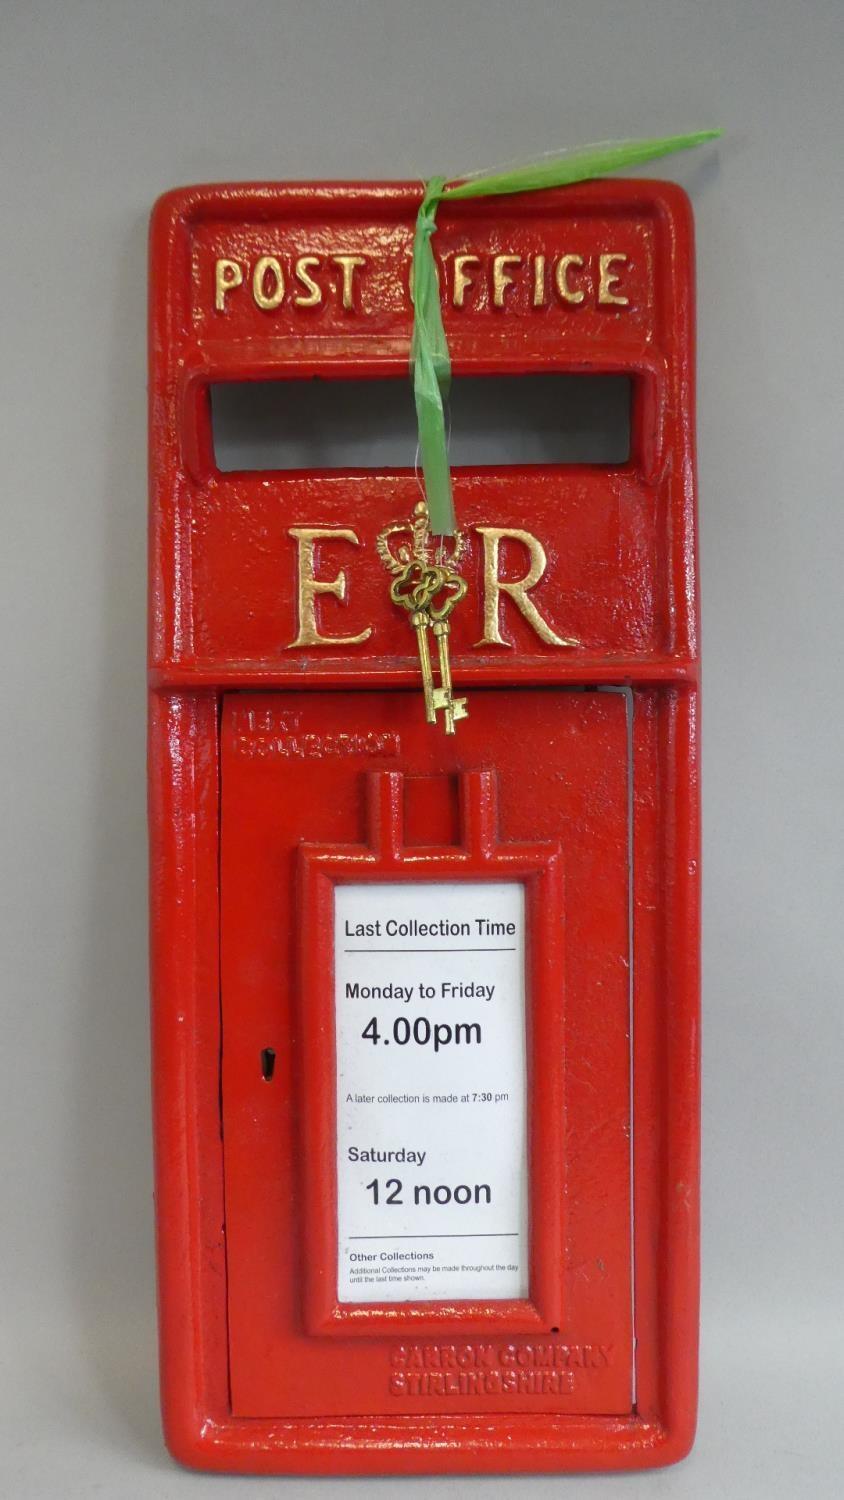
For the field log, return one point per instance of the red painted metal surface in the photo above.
(279, 1209)
(267, 757)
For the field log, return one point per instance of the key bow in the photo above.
(411, 588)
(452, 587)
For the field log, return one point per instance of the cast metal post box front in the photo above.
(425, 1006)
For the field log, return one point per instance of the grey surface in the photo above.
(102, 106)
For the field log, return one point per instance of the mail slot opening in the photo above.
(501, 421)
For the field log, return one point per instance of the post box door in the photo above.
(349, 788)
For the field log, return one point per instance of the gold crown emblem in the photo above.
(405, 542)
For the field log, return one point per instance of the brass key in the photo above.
(420, 622)
(405, 591)
(453, 708)
(453, 587)
(429, 591)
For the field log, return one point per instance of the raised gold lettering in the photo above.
(227, 274)
(348, 265)
(517, 589)
(309, 586)
(462, 279)
(313, 290)
(311, 280)
(608, 278)
(268, 283)
(561, 275)
(501, 278)
(539, 281)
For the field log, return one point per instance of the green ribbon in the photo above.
(429, 356)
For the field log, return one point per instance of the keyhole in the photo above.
(267, 1063)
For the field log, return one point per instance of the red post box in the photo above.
(425, 1006)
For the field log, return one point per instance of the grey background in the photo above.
(102, 106)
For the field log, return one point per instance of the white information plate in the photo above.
(431, 1122)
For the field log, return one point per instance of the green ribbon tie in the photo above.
(429, 357)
